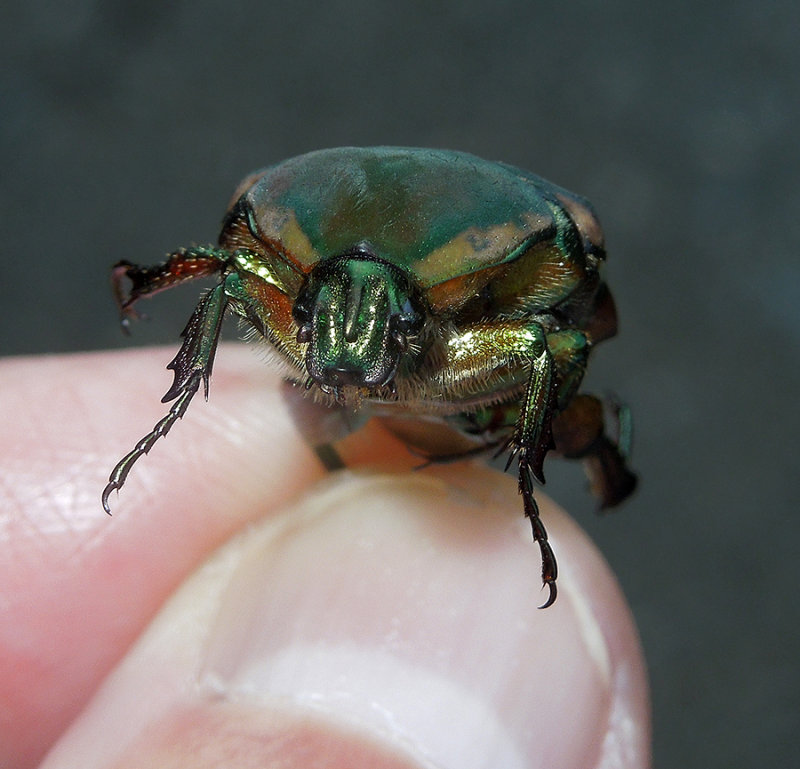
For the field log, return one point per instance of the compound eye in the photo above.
(301, 312)
(408, 321)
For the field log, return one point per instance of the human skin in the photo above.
(243, 607)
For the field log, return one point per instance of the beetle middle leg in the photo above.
(581, 432)
(181, 266)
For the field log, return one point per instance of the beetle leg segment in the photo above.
(191, 366)
(570, 351)
(549, 565)
(200, 338)
(181, 266)
(120, 473)
(532, 437)
(264, 295)
(515, 354)
(530, 443)
(580, 432)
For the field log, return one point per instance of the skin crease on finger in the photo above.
(77, 587)
(371, 620)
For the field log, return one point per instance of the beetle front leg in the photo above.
(529, 444)
(512, 350)
(191, 366)
(549, 564)
(532, 437)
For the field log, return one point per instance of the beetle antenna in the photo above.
(118, 476)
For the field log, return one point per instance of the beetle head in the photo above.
(358, 315)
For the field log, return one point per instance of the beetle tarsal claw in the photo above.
(112, 486)
(551, 599)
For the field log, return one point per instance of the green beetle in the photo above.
(454, 298)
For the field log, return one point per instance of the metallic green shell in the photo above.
(477, 236)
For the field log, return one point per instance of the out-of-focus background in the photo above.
(126, 124)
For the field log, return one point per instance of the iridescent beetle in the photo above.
(454, 298)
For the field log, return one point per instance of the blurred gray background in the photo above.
(125, 126)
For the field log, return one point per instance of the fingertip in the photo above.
(399, 610)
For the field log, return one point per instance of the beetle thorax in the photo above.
(357, 314)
